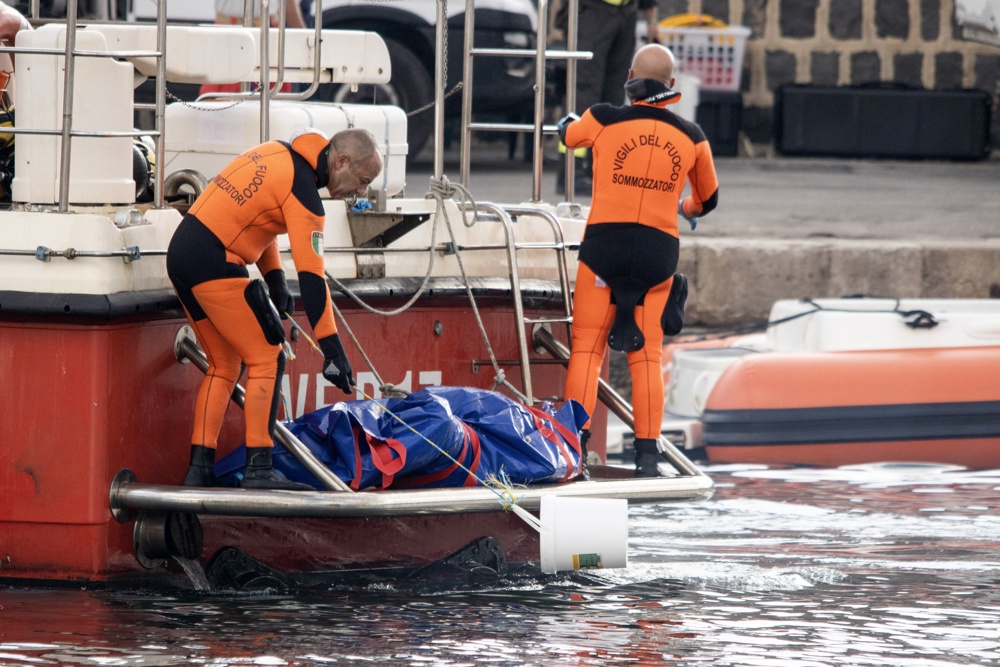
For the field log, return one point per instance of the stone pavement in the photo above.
(809, 227)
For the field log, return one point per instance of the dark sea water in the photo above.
(894, 565)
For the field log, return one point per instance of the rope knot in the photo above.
(441, 188)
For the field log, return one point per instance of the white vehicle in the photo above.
(503, 87)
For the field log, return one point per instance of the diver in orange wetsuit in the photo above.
(626, 293)
(270, 189)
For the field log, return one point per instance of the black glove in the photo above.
(563, 124)
(277, 287)
(336, 367)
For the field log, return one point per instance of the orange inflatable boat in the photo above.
(837, 408)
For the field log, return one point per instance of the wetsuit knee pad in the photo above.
(672, 320)
(265, 312)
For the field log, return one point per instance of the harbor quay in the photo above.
(802, 227)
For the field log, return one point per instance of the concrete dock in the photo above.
(810, 227)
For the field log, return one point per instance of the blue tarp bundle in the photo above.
(366, 446)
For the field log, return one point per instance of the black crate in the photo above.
(882, 122)
(719, 114)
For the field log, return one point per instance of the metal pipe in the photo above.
(440, 82)
(161, 101)
(317, 62)
(538, 137)
(195, 179)
(615, 401)
(69, 68)
(560, 247)
(188, 349)
(515, 286)
(127, 495)
(465, 157)
(265, 69)
(572, 28)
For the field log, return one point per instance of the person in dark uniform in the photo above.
(626, 292)
(270, 189)
(607, 29)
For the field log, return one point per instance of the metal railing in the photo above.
(540, 54)
(66, 131)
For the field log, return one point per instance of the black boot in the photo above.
(584, 439)
(259, 474)
(201, 472)
(647, 457)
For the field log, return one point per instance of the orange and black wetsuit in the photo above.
(269, 190)
(643, 156)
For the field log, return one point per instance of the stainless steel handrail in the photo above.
(128, 495)
(616, 403)
(67, 123)
(273, 88)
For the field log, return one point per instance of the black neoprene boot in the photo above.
(647, 457)
(201, 471)
(584, 439)
(259, 474)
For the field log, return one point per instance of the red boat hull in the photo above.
(84, 400)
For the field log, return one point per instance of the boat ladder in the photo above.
(541, 55)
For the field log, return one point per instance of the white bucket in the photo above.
(583, 533)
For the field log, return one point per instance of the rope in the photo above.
(439, 189)
(500, 485)
(921, 319)
(442, 190)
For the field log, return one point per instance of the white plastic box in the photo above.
(206, 140)
(714, 55)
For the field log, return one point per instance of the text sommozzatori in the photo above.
(242, 196)
(654, 141)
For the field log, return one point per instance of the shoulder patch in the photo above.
(317, 243)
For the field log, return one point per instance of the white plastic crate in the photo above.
(714, 55)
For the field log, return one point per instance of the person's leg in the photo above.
(226, 307)
(647, 380)
(620, 38)
(592, 318)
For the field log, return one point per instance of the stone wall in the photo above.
(849, 42)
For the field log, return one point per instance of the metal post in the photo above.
(440, 81)
(161, 101)
(538, 138)
(571, 45)
(67, 124)
(466, 154)
(265, 69)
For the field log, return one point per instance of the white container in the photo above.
(583, 533)
(206, 140)
(693, 374)
(100, 167)
(687, 85)
(714, 55)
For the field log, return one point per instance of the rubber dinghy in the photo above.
(844, 381)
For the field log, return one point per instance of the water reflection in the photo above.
(875, 565)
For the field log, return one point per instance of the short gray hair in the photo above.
(356, 143)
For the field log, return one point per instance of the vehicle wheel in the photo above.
(411, 87)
